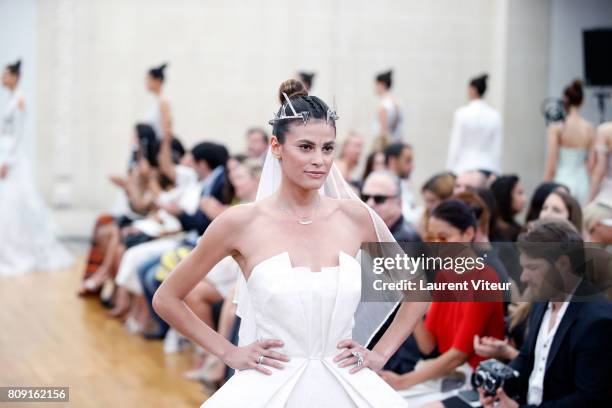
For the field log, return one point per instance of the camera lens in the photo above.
(490, 385)
(479, 379)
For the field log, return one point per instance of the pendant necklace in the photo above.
(302, 220)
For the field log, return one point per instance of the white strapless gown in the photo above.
(28, 240)
(310, 312)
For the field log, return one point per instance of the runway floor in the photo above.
(51, 337)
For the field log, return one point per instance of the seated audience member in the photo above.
(510, 198)
(399, 158)
(539, 196)
(257, 143)
(566, 358)
(381, 191)
(99, 258)
(207, 179)
(598, 222)
(559, 205)
(349, 156)
(435, 190)
(142, 187)
(481, 238)
(598, 229)
(374, 162)
(217, 285)
(209, 160)
(469, 180)
(490, 175)
(450, 325)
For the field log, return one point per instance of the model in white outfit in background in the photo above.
(158, 117)
(571, 147)
(601, 184)
(301, 334)
(476, 138)
(27, 233)
(389, 120)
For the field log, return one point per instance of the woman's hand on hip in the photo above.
(359, 356)
(256, 356)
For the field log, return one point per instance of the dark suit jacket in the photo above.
(579, 365)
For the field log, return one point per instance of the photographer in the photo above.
(565, 360)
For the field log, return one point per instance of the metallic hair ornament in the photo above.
(331, 113)
(304, 115)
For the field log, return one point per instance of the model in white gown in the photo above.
(310, 317)
(27, 234)
(311, 312)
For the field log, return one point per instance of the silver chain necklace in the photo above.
(302, 220)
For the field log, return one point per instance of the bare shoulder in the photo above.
(359, 216)
(226, 227)
(237, 215)
(605, 129)
(353, 209)
(555, 127)
(164, 102)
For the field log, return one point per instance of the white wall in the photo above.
(568, 19)
(526, 69)
(227, 60)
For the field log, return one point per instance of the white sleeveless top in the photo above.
(153, 117)
(394, 120)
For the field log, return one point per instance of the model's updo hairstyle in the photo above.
(385, 78)
(480, 84)
(15, 69)
(302, 102)
(158, 72)
(572, 94)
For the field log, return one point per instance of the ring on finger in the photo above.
(359, 357)
(260, 360)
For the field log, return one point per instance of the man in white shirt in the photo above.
(566, 358)
(476, 138)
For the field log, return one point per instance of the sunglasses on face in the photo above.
(378, 198)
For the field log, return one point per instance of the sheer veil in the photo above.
(369, 316)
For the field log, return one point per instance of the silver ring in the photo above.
(260, 360)
(359, 357)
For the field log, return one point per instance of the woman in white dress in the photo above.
(27, 233)
(388, 124)
(300, 288)
(571, 146)
(476, 138)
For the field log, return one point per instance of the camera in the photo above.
(492, 374)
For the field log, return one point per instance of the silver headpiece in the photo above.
(304, 115)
